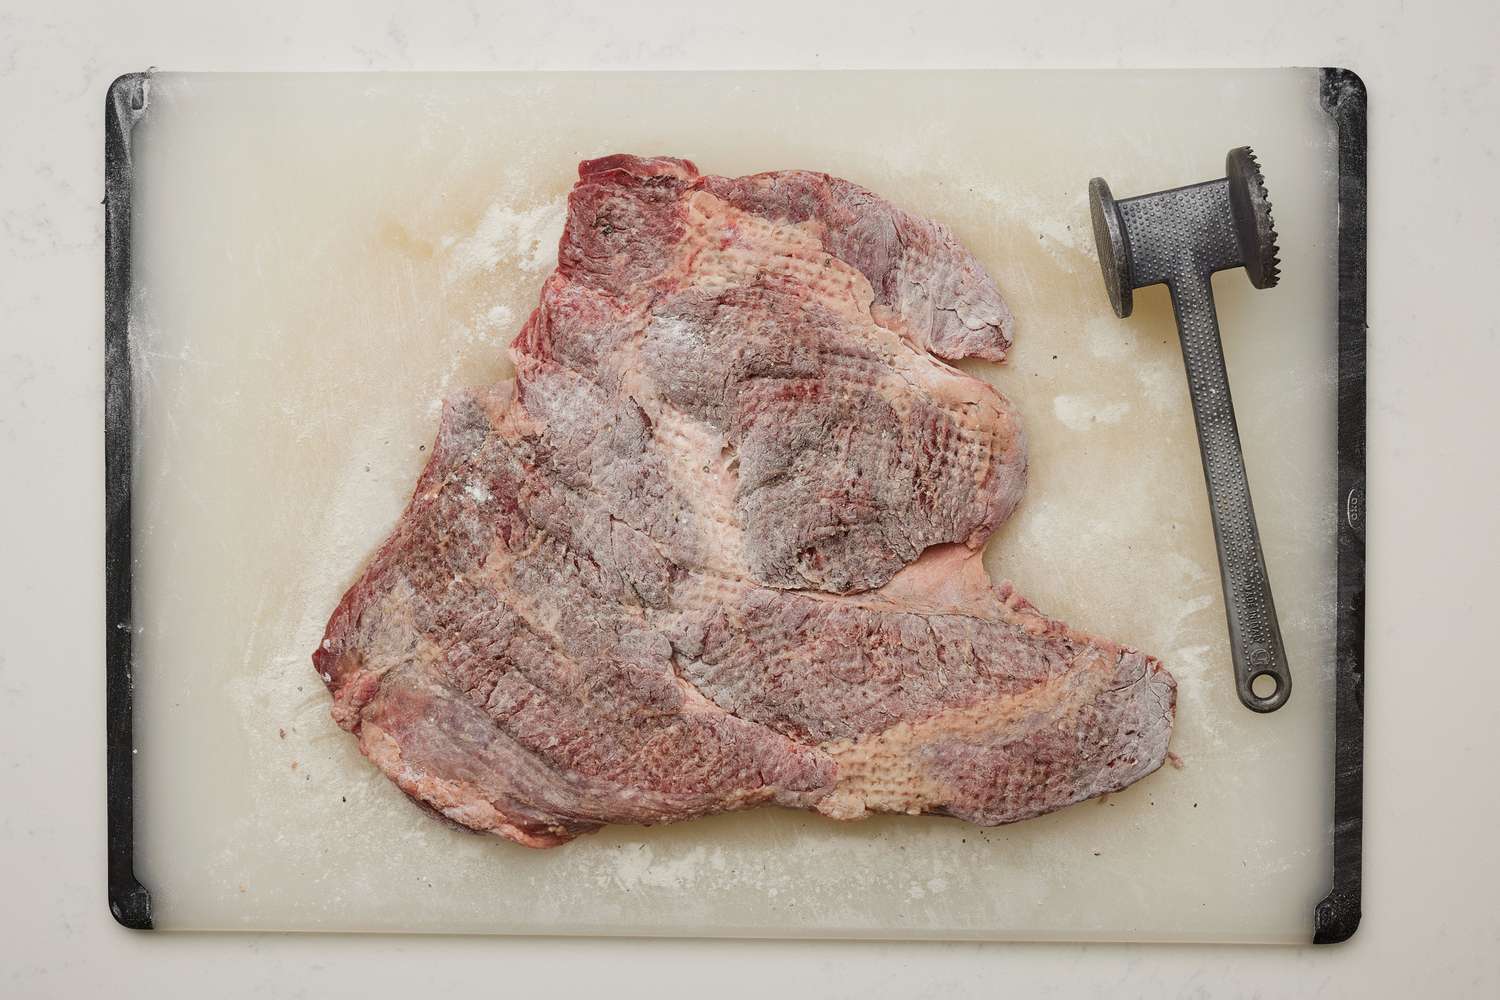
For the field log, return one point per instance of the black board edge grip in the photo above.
(1335, 919)
(129, 901)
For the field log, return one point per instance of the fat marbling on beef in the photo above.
(717, 545)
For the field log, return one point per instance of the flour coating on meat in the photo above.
(718, 543)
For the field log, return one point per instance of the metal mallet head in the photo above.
(1180, 238)
(1201, 228)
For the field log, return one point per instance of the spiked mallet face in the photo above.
(1180, 238)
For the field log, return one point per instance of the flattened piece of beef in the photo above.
(718, 544)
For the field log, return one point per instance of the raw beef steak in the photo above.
(718, 543)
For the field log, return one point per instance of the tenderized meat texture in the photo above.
(718, 543)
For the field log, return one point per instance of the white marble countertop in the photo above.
(1430, 869)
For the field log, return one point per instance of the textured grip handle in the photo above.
(1254, 635)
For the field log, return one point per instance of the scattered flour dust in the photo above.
(497, 321)
(1061, 239)
(933, 887)
(1163, 384)
(1108, 339)
(1047, 216)
(1079, 413)
(637, 865)
(528, 237)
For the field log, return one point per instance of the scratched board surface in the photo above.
(320, 260)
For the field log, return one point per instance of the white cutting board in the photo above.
(320, 259)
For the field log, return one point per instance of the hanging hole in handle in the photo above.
(1265, 685)
(1266, 689)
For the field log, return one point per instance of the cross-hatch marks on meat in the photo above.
(718, 544)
